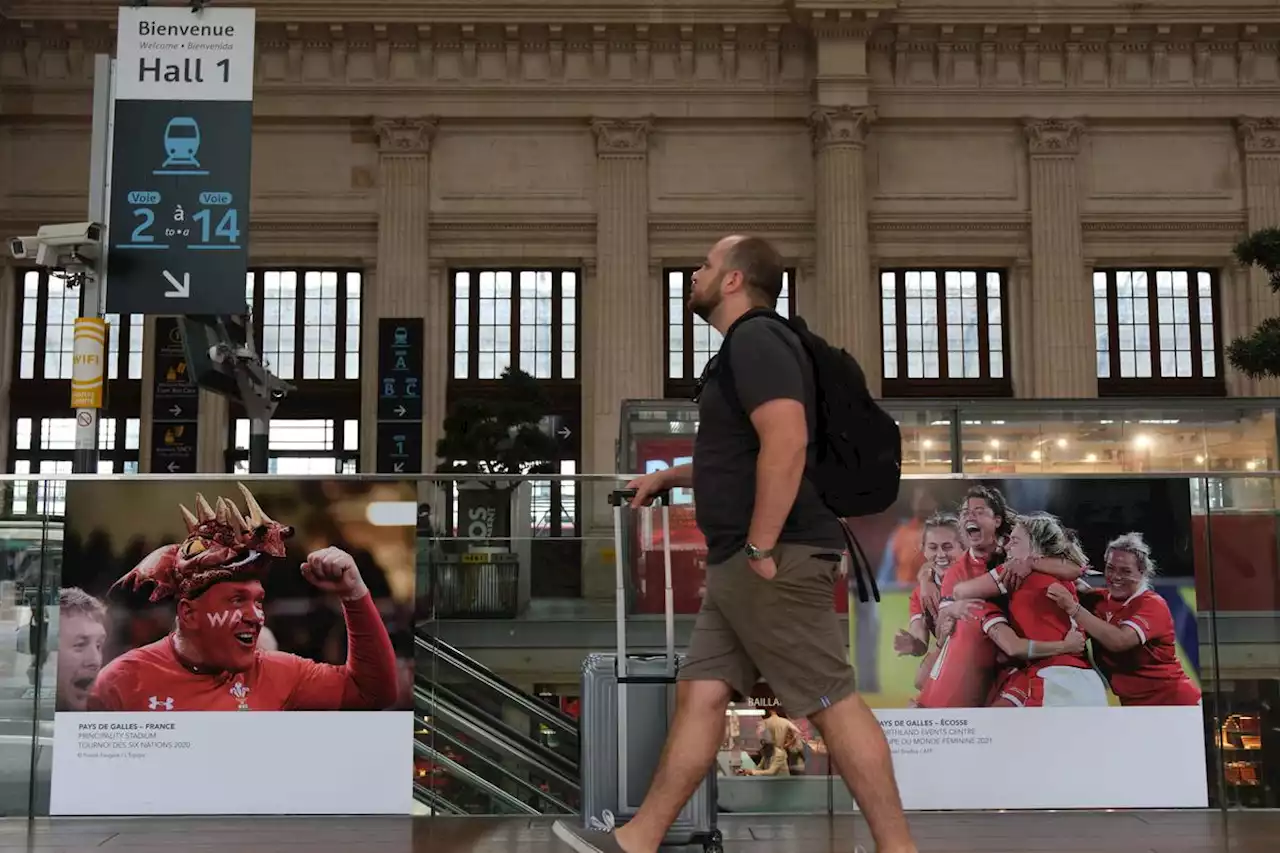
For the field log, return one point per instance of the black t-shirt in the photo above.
(769, 363)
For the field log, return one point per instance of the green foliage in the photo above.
(1257, 354)
(1262, 249)
(499, 433)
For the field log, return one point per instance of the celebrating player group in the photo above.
(1003, 617)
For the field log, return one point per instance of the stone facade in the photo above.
(620, 137)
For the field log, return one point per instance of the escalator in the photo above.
(483, 746)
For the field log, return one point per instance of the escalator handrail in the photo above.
(526, 785)
(462, 774)
(459, 718)
(437, 803)
(472, 668)
(461, 705)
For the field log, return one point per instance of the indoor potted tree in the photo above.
(502, 432)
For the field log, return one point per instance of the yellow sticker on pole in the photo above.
(88, 362)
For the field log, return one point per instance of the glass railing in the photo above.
(492, 594)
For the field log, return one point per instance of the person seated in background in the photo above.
(773, 758)
(1134, 643)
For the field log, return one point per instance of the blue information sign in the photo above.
(178, 218)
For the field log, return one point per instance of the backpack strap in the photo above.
(724, 363)
(860, 566)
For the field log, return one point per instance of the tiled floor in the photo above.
(1124, 832)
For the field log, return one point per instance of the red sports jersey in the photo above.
(153, 678)
(965, 670)
(1034, 616)
(917, 612)
(1150, 673)
(965, 568)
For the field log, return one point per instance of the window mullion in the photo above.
(340, 328)
(1193, 320)
(1153, 322)
(42, 326)
(984, 350)
(944, 328)
(515, 352)
(473, 322)
(900, 320)
(557, 326)
(689, 345)
(300, 324)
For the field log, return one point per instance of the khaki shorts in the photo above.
(785, 629)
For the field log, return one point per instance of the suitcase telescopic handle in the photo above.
(622, 497)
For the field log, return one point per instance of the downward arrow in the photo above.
(181, 289)
(172, 467)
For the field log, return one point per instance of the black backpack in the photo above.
(858, 465)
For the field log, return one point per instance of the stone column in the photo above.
(1260, 141)
(844, 306)
(1019, 321)
(621, 314)
(404, 285)
(1062, 299)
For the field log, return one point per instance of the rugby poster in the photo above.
(187, 608)
(1042, 629)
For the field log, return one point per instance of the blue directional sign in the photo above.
(176, 410)
(400, 367)
(399, 448)
(400, 363)
(177, 232)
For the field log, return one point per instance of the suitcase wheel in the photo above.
(714, 843)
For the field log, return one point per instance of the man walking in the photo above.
(773, 557)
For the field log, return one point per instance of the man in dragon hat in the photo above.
(212, 660)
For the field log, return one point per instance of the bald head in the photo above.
(759, 263)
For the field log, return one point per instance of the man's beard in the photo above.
(705, 306)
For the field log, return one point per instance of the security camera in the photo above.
(24, 248)
(74, 247)
(71, 234)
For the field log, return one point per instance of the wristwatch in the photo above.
(754, 553)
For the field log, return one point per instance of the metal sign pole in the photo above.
(85, 460)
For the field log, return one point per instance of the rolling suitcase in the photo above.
(627, 703)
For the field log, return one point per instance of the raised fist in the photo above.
(333, 570)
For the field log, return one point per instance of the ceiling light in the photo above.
(1035, 456)
(927, 444)
(1142, 441)
(1062, 444)
(1251, 465)
(1199, 460)
(986, 457)
(1092, 457)
(995, 443)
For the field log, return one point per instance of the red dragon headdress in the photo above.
(221, 545)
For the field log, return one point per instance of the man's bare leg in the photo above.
(856, 742)
(696, 734)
